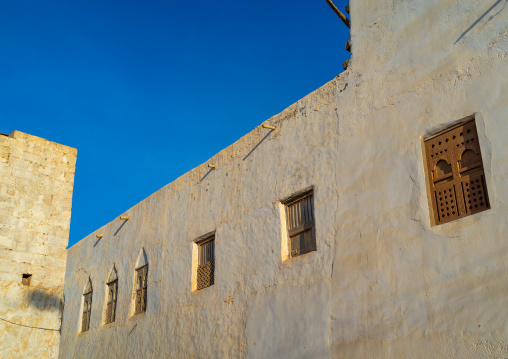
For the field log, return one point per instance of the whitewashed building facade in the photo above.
(329, 236)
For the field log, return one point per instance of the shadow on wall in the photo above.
(118, 230)
(259, 143)
(206, 175)
(43, 300)
(481, 18)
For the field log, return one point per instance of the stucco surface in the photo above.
(36, 182)
(384, 282)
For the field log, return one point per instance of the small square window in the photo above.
(455, 171)
(206, 263)
(111, 305)
(26, 279)
(300, 223)
(141, 289)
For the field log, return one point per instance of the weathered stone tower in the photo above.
(36, 182)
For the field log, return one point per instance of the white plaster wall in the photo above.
(383, 282)
(36, 182)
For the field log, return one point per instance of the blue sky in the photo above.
(147, 90)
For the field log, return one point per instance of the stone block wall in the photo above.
(36, 183)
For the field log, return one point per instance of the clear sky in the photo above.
(148, 90)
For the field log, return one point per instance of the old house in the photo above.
(367, 220)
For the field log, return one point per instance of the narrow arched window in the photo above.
(141, 288)
(87, 306)
(112, 295)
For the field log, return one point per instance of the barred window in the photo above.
(456, 175)
(111, 305)
(141, 289)
(206, 262)
(300, 223)
(87, 308)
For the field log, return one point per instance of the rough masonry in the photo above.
(36, 183)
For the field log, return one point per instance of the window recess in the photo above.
(141, 289)
(26, 279)
(300, 223)
(206, 262)
(87, 308)
(456, 175)
(111, 305)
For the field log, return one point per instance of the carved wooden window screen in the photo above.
(87, 310)
(141, 289)
(456, 174)
(300, 224)
(111, 305)
(206, 262)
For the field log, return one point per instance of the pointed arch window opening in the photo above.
(141, 289)
(87, 307)
(111, 304)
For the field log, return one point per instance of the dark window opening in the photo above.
(206, 262)
(87, 311)
(141, 289)
(111, 305)
(27, 279)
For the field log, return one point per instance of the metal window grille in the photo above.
(456, 174)
(300, 224)
(87, 310)
(206, 263)
(141, 289)
(111, 305)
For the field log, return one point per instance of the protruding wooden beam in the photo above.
(339, 13)
(124, 217)
(211, 166)
(348, 45)
(99, 236)
(269, 127)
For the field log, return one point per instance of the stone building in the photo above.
(368, 220)
(36, 182)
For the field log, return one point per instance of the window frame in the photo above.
(455, 190)
(141, 290)
(293, 231)
(111, 302)
(205, 271)
(87, 311)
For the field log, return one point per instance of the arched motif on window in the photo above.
(112, 284)
(141, 283)
(87, 306)
(442, 169)
(468, 158)
(457, 183)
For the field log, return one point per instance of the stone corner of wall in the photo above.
(22, 136)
